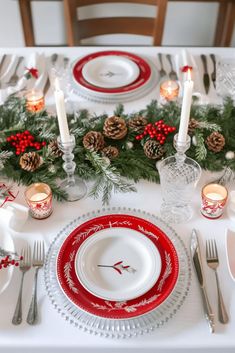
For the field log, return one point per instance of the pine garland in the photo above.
(110, 175)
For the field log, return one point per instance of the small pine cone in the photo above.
(30, 161)
(137, 124)
(215, 141)
(153, 149)
(54, 149)
(110, 151)
(93, 141)
(115, 128)
(193, 124)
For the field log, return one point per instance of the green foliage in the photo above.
(110, 176)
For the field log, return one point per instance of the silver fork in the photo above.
(162, 72)
(213, 262)
(38, 261)
(14, 78)
(172, 73)
(25, 265)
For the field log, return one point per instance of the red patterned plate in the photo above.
(85, 300)
(144, 75)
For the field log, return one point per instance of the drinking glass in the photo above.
(179, 175)
(225, 78)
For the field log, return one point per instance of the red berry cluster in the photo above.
(8, 261)
(158, 130)
(22, 140)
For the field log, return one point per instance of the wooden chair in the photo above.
(78, 29)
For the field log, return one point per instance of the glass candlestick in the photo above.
(179, 175)
(72, 185)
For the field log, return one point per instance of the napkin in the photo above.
(35, 60)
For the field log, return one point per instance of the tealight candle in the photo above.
(35, 101)
(39, 199)
(214, 197)
(169, 90)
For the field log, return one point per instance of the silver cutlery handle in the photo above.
(207, 309)
(223, 316)
(160, 59)
(17, 317)
(169, 59)
(213, 60)
(33, 309)
(203, 57)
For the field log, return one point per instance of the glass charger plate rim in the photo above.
(118, 328)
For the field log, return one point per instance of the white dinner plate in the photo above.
(6, 243)
(118, 264)
(110, 71)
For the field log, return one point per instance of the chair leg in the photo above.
(27, 23)
(225, 24)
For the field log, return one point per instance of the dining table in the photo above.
(187, 330)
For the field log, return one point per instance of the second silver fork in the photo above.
(212, 259)
(38, 262)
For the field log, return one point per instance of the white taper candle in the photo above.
(61, 113)
(185, 110)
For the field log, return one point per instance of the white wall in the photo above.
(187, 24)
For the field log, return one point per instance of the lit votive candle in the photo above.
(214, 197)
(169, 90)
(35, 101)
(39, 199)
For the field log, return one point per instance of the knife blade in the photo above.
(196, 257)
(213, 74)
(206, 78)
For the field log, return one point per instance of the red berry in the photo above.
(17, 264)
(44, 143)
(13, 262)
(21, 257)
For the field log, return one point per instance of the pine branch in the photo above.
(200, 151)
(109, 179)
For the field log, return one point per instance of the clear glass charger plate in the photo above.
(117, 328)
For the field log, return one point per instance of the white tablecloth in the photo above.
(187, 331)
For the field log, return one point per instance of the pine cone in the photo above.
(110, 151)
(193, 124)
(93, 141)
(115, 128)
(54, 149)
(30, 161)
(137, 124)
(153, 149)
(215, 141)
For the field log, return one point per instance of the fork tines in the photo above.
(211, 250)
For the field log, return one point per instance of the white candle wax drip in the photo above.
(185, 110)
(61, 113)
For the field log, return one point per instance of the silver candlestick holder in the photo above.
(73, 185)
(179, 175)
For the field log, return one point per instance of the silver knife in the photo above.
(196, 257)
